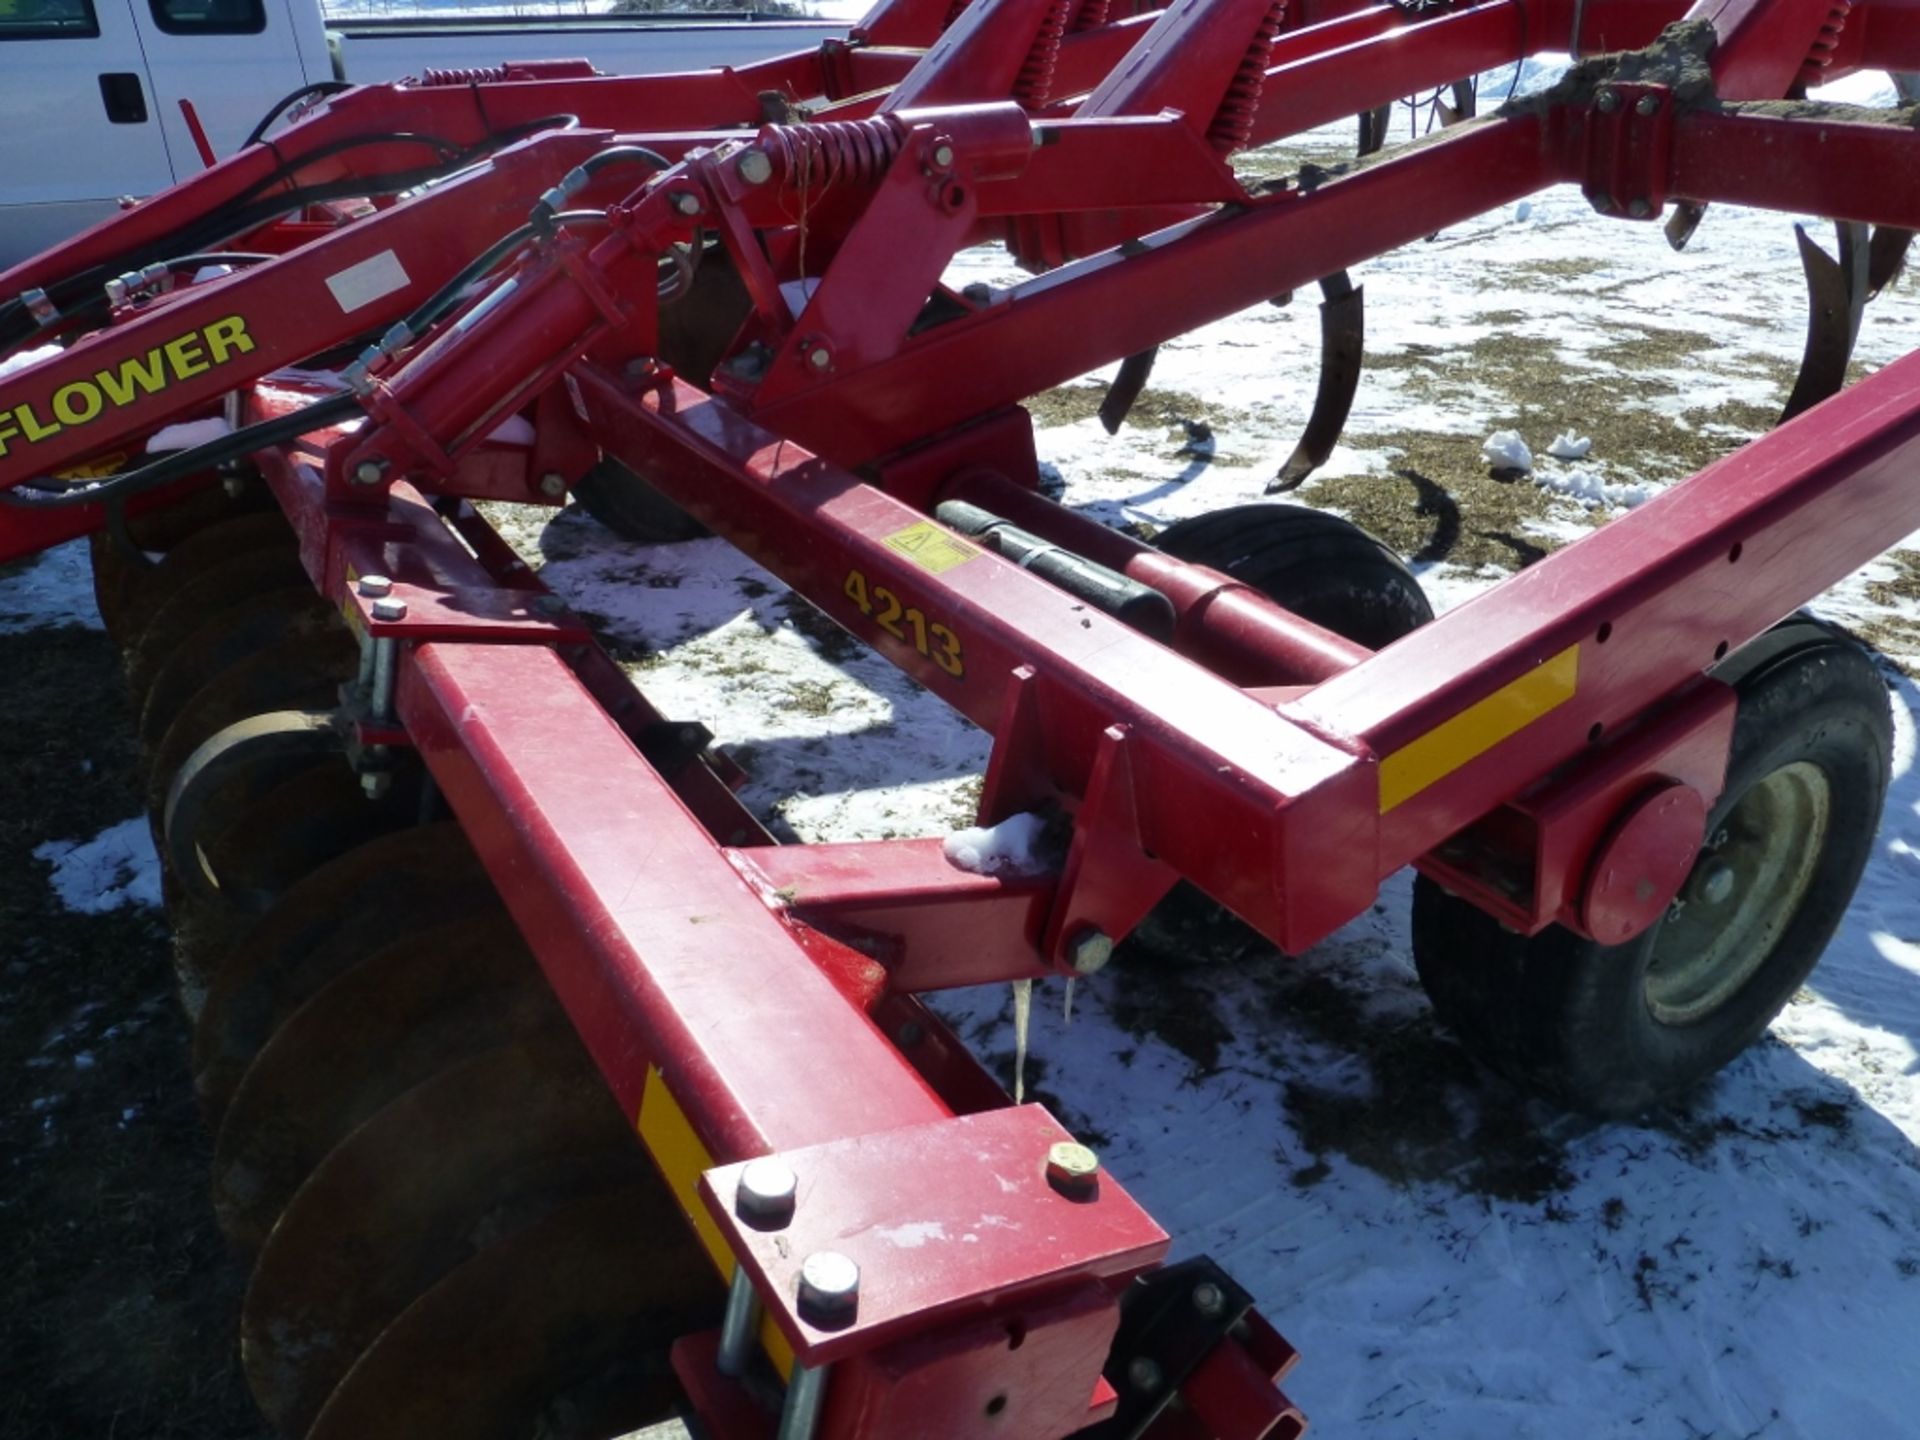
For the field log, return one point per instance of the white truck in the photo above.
(90, 90)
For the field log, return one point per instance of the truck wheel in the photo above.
(1616, 1029)
(631, 508)
(1318, 565)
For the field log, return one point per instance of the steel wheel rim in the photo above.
(1742, 894)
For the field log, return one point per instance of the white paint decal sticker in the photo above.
(362, 284)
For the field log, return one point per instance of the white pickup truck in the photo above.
(90, 90)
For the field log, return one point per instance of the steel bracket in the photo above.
(1629, 150)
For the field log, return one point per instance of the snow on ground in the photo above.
(1454, 1264)
(116, 867)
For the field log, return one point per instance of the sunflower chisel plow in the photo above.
(460, 911)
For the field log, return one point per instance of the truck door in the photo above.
(231, 58)
(78, 122)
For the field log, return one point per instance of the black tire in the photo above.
(1321, 567)
(631, 508)
(1614, 1030)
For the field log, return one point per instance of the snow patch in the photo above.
(1569, 446)
(1505, 450)
(1591, 491)
(188, 434)
(1010, 848)
(116, 867)
(56, 588)
(22, 359)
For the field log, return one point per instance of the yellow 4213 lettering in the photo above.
(907, 622)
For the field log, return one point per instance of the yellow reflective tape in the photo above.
(669, 1138)
(931, 547)
(1478, 728)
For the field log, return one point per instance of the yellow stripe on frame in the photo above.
(669, 1138)
(1478, 728)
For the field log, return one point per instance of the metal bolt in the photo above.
(553, 485)
(1607, 101)
(978, 292)
(1144, 1374)
(943, 156)
(1089, 950)
(1209, 1300)
(755, 167)
(1639, 209)
(388, 608)
(374, 586)
(767, 1190)
(829, 1285)
(685, 202)
(375, 784)
(1714, 884)
(800, 1415)
(819, 357)
(1647, 105)
(369, 472)
(1072, 1166)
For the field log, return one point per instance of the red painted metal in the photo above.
(769, 989)
(935, 1215)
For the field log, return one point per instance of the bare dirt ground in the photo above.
(118, 1298)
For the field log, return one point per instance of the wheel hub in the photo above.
(1743, 893)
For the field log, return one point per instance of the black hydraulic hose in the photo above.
(287, 102)
(71, 294)
(180, 465)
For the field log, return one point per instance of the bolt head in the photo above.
(943, 155)
(375, 784)
(374, 586)
(755, 167)
(1639, 209)
(829, 1285)
(685, 202)
(1647, 105)
(1144, 1374)
(388, 608)
(553, 485)
(767, 1189)
(819, 357)
(1607, 101)
(1209, 1300)
(1072, 1166)
(1715, 883)
(1089, 951)
(369, 472)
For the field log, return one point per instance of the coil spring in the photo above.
(472, 75)
(1232, 123)
(1092, 15)
(818, 154)
(1820, 53)
(1034, 85)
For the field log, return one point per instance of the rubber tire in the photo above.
(631, 508)
(1566, 1017)
(1321, 567)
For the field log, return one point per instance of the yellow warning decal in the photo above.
(669, 1138)
(116, 386)
(1478, 728)
(98, 468)
(931, 548)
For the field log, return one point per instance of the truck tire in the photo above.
(1614, 1030)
